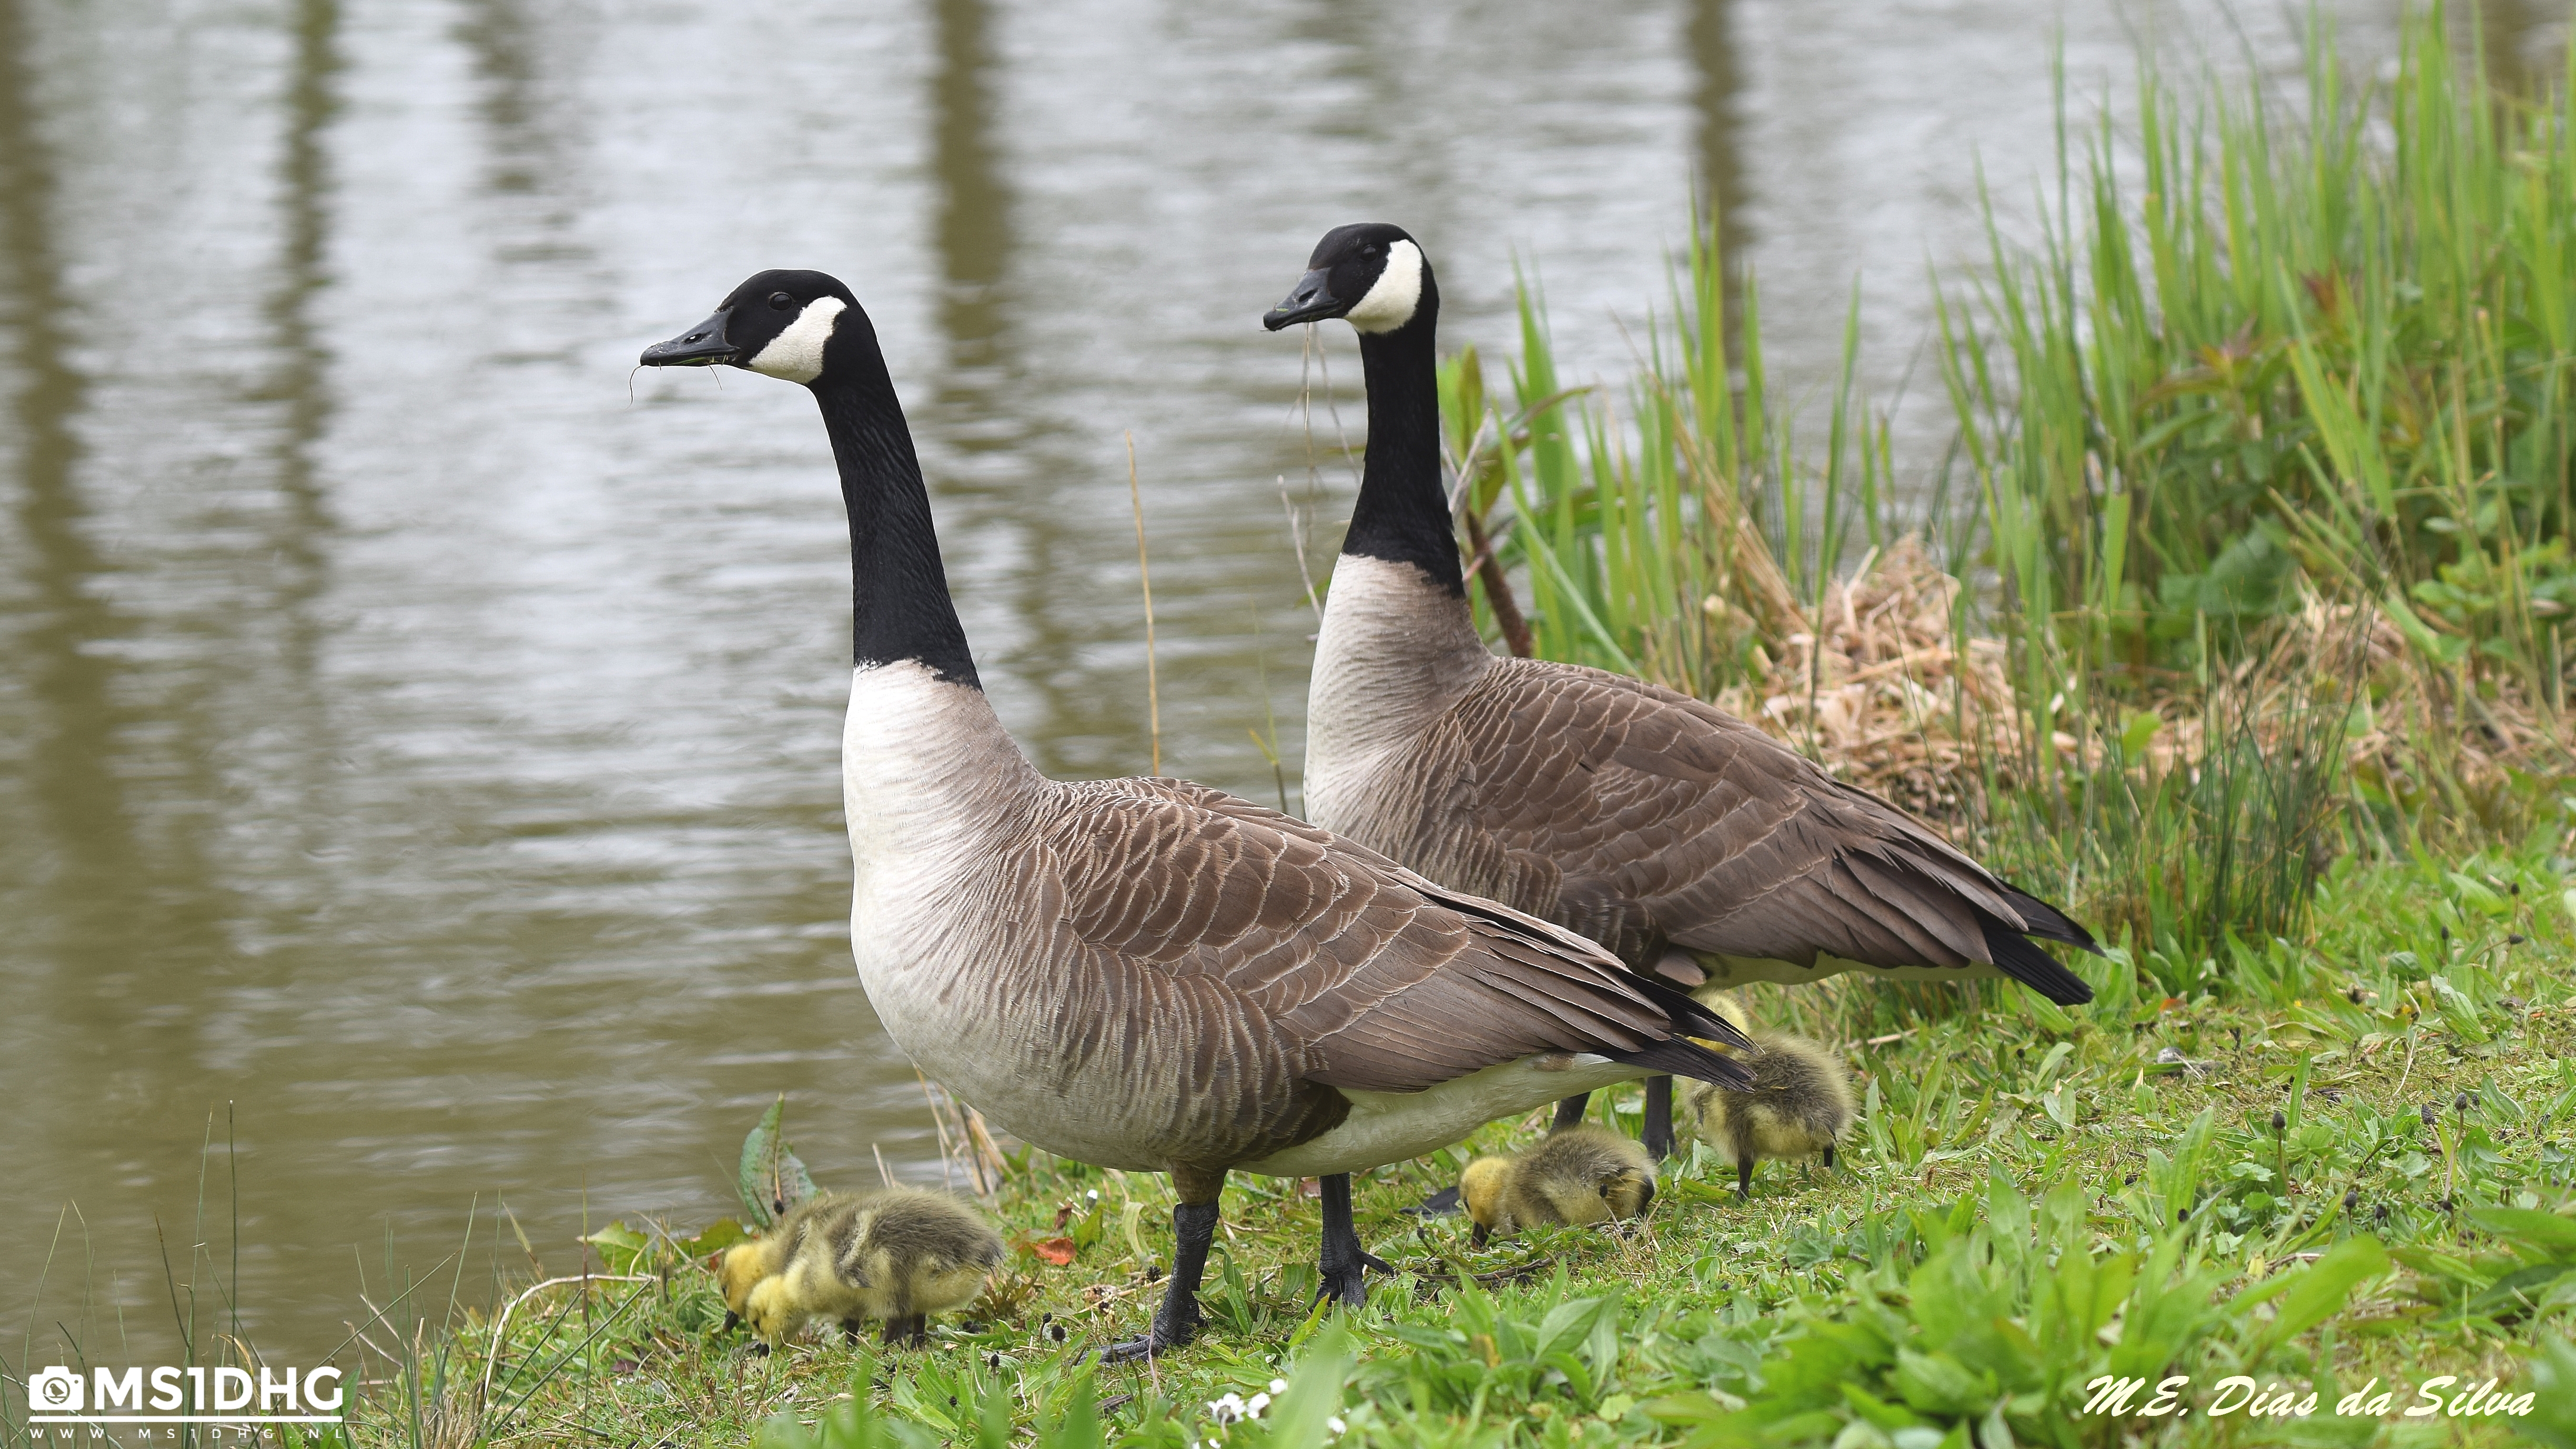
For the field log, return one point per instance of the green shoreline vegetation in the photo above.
(2261, 498)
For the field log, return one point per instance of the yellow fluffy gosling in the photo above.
(1799, 1105)
(896, 1255)
(744, 1265)
(1583, 1174)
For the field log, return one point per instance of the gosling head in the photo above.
(741, 1269)
(1480, 1192)
(1370, 274)
(1628, 1192)
(772, 1313)
(791, 325)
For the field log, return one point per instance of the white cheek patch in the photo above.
(797, 353)
(1397, 291)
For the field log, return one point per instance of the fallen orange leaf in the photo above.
(1058, 1251)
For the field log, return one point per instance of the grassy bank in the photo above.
(2241, 1180)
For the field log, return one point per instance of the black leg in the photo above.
(1744, 1175)
(1657, 1135)
(1177, 1321)
(1569, 1112)
(1344, 1261)
(910, 1331)
(851, 1328)
(1829, 1157)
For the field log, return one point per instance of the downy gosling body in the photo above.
(1580, 1174)
(896, 1256)
(1680, 837)
(1150, 974)
(1799, 1105)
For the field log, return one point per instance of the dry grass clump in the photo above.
(1886, 690)
(1881, 689)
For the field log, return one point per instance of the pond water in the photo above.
(418, 730)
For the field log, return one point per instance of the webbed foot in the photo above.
(1169, 1332)
(1348, 1284)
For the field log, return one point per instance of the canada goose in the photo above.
(1582, 1174)
(1150, 974)
(1800, 1103)
(1680, 837)
(897, 1255)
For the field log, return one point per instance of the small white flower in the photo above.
(1278, 1386)
(1226, 1410)
(1333, 1422)
(1259, 1403)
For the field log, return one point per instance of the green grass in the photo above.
(2023, 1180)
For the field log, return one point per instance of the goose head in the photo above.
(1371, 274)
(782, 323)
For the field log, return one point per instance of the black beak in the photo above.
(701, 346)
(1311, 301)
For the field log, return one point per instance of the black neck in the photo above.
(899, 604)
(1403, 513)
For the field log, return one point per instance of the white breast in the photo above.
(1396, 652)
(934, 789)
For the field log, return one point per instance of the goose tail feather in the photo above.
(2039, 918)
(1678, 1057)
(1689, 1016)
(2019, 958)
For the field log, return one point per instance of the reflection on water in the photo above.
(417, 731)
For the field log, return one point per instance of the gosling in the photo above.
(897, 1255)
(744, 1265)
(1581, 1174)
(1799, 1105)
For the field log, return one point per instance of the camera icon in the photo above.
(56, 1390)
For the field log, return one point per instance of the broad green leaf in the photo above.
(715, 1237)
(1301, 1419)
(2552, 1420)
(1567, 1325)
(2553, 1235)
(2320, 1290)
(771, 1179)
(620, 1247)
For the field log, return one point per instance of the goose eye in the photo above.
(780, 301)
